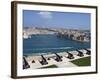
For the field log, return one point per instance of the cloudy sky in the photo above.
(48, 19)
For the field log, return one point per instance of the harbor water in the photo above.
(44, 44)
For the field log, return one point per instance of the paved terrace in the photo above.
(64, 63)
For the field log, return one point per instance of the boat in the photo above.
(27, 36)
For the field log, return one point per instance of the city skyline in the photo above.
(52, 19)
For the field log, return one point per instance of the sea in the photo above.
(48, 44)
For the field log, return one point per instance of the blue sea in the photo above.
(44, 44)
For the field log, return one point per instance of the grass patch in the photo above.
(82, 61)
(51, 66)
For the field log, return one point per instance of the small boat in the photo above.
(27, 36)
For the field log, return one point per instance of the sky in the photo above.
(52, 19)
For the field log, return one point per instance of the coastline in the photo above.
(77, 35)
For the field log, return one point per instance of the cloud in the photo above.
(45, 14)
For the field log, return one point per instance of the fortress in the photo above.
(73, 34)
